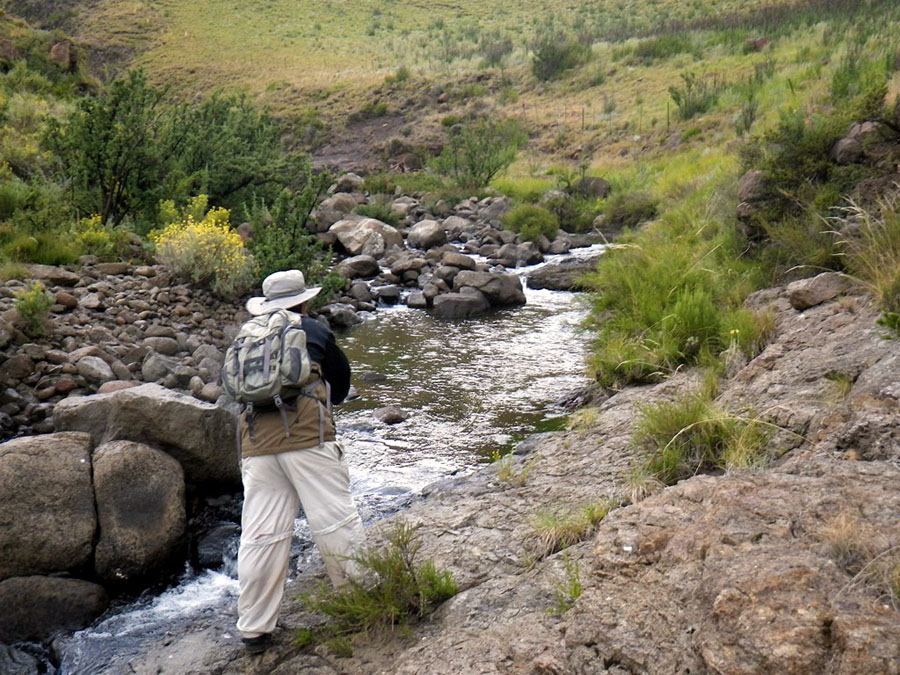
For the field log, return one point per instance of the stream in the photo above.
(471, 389)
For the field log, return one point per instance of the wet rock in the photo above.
(389, 295)
(389, 415)
(38, 607)
(499, 289)
(340, 316)
(201, 436)
(216, 544)
(14, 661)
(460, 305)
(140, 508)
(417, 300)
(46, 504)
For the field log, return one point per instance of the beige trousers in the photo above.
(274, 487)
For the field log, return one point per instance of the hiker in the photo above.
(289, 457)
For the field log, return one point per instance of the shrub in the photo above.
(663, 46)
(280, 239)
(555, 53)
(400, 75)
(531, 222)
(479, 150)
(695, 96)
(208, 252)
(33, 304)
(402, 588)
(103, 241)
(630, 209)
(382, 211)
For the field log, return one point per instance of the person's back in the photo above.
(286, 464)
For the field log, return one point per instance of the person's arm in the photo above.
(324, 350)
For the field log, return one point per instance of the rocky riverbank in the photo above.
(114, 325)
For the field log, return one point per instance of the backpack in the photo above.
(268, 362)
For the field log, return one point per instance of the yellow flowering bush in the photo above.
(207, 251)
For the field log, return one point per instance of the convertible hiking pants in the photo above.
(274, 487)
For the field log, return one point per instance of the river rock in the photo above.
(95, 369)
(333, 209)
(353, 234)
(199, 435)
(389, 415)
(37, 607)
(140, 508)
(460, 305)
(427, 234)
(806, 293)
(163, 345)
(156, 367)
(359, 267)
(562, 275)
(47, 518)
(216, 544)
(18, 366)
(455, 226)
(458, 260)
(500, 290)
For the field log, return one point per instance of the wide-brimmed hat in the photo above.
(282, 290)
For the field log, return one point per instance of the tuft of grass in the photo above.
(555, 530)
(401, 590)
(33, 304)
(692, 435)
(843, 382)
(568, 590)
(871, 250)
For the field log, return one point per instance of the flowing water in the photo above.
(470, 389)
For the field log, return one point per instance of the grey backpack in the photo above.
(267, 362)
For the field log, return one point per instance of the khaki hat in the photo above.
(282, 290)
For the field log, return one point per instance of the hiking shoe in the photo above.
(258, 644)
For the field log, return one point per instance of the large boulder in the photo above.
(353, 234)
(592, 187)
(140, 507)
(427, 234)
(37, 607)
(201, 436)
(500, 289)
(460, 305)
(47, 518)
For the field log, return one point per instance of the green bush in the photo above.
(479, 150)
(33, 304)
(630, 209)
(695, 96)
(382, 211)
(531, 222)
(401, 589)
(556, 52)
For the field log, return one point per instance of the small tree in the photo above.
(110, 147)
(556, 52)
(478, 150)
